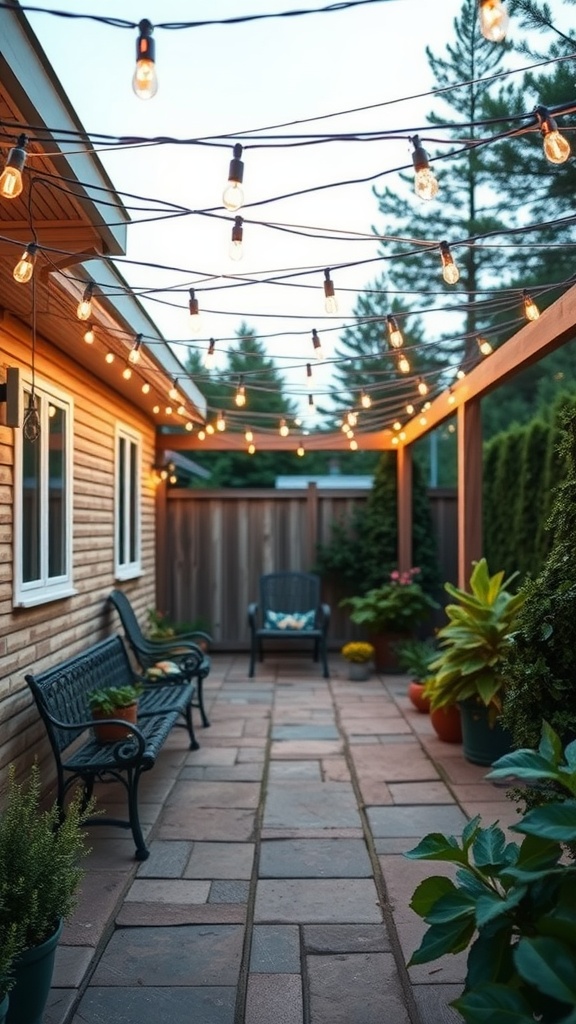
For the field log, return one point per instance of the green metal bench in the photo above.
(289, 609)
(61, 695)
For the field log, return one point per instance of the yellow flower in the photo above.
(358, 652)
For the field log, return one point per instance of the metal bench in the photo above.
(61, 695)
(289, 609)
(193, 663)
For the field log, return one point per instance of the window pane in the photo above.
(56, 491)
(133, 503)
(31, 569)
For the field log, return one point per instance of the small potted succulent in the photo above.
(114, 702)
(359, 656)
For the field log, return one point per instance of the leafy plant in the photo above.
(108, 699)
(513, 905)
(39, 863)
(161, 628)
(415, 657)
(358, 652)
(397, 606)
(474, 641)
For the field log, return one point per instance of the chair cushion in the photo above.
(290, 620)
(162, 669)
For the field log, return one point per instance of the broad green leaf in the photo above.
(549, 965)
(525, 764)
(488, 847)
(436, 846)
(490, 957)
(536, 853)
(453, 906)
(550, 746)
(570, 754)
(440, 939)
(470, 829)
(471, 883)
(429, 892)
(560, 920)
(552, 821)
(491, 907)
(494, 1004)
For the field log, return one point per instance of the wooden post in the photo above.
(469, 489)
(312, 533)
(161, 587)
(404, 506)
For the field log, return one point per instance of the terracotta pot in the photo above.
(446, 722)
(416, 695)
(114, 733)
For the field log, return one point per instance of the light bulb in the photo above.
(84, 307)
(422, 387)
(240, 398)
(189, 426)
(354, 445)
(89, 335)
(209, 428)
(236, 251)
(248, 435)
(181, 410)
(209, 358)
(233, 196)
(283, 429)
(365, 400)
(425, 183)
(395, 440)
(410, 409)
(251, 449)
(531, 310)
(109, 357)
(24, 269)
(145, 388)
(484, 346)
(220, 422)
(145, 81)
(450, 271)
(300, 451)
(201, 435)
(493, 20)
(126, 373)
(195, 318)
(11, 184)
(173, 393)
(351, 418)
(460, 374)
(403, 364)
(155, 409)
(330, 302)
(397, 425)
(134, 353)
(317, 345)
(394, 332)
(556, 147)
(168, 410)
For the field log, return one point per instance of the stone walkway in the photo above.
(276, 891)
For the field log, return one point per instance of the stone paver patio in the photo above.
(276, 891)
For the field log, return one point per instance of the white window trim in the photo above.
(127, 570)
(28, 595)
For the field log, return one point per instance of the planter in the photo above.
(482, 743)
(385, 656)
(416, 695)
(33, 971)
(113, 733)
(447, 723)
(359, 671)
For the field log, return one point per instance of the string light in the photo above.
(311, 405)
(236, 251)
(410, 409)
(484, 346)
(134, 354)
(422, 387)
(195, 318)
(308, 375)
(248, 435)
(425, 183)
(24, 269)
(181, 410)
(209, 428)
(556, 147)
(394, 333)
(145, 81)
(240, 398)
(531, 310)
(145, 388)
(210, 357)
(89, 335)
(493, 20)
(397, 425)
(109, 358)
(126, 373)
(450, 271)
(365, 400)
(251, 449)
(316, 343)
(220, 422)
(300, 452)
(233, 196)
(353, 445)
(201, 435)
(330, 301)
(189, 426)
(351, 418)
(283, 429)
(11, 183)
(84, 307)
(173, 393)
(403, 364)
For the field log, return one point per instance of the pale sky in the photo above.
(223, 79)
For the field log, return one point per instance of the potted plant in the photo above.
(414, 658)
(40, 872)
(162, 630)
(390, 612)
(470, 668)
(114, 702)
(359, 655)
(512, 905)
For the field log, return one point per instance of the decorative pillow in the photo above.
(162, 669)
(288, 620)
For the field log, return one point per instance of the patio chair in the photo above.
(289, 609)
(149, 653)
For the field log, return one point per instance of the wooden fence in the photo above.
(213, 546)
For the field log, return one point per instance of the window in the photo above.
(43, 502)
(127, 504)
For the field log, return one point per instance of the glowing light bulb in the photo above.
(11, 183)
(189, 426)
(251, 449)
(236, 250)
(134, 353)
(460, 374)
(283, 429)
(201, 435)
(351, 418)
(425, 183)
(220, 422)
(173, 393)
(317, 344)
(145, 388)
(556, 147)
(410, 409)
(233, 196)
(397, 425)
(24, 269)
(210, 357)
(126, 373)
(145, 81)
(330, 301)
(451, 397)
(109, 357)
(484, 346)
(209, 428)
(89, 335)
(248, 436)
(493, 20)
(155, 409)
(84, 307)
(423, 421)
(403, 364)
(240, 398)
(395, 440)
(450, 271)
(422, 387)
(365, 400)
(353, 445)
(195, 318)
(394, 333)
(531, 310)
(181, 410)
(300, 451)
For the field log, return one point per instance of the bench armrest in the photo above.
(135, 732)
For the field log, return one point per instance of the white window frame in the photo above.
(46, 588)
(127, 512)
